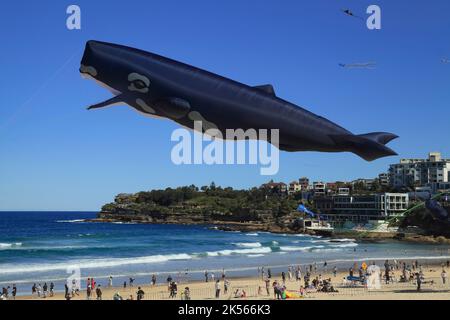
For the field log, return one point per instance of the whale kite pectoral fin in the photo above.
(267, 88)
(366, 148)
(110, 102)
(174, 108)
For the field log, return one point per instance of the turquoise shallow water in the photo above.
(41, 246)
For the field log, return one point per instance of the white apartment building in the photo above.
(420, 172)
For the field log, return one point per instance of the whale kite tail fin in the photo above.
(370, 146)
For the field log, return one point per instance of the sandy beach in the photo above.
(433, 288)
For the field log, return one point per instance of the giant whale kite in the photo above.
(161, 87)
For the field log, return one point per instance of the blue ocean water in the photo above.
(37, 247)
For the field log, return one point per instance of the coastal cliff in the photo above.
(227, 209)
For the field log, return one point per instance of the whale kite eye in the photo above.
(139, 84)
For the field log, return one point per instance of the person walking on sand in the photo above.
(217, 289)
(52, 289)
(39, 290)
(419, 281)
(267, 281)
(290, 273)
(45, 289)
(14, 292)
(226, 285)
(99, 292)
(153, 280)
(444, 276)
(325, 266)
(110, 283)
(212, 277)
(269, 273)
(206, 276)
(283, 277)
(140, 294)
(33, 289)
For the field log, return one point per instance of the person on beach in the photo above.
(39, 290)
(290, 273)
(45, 290)
(283, 277)
(117, 297)
(99, 292)
(206, 276)
(5, 292)
(153, 280)
(223, 274)
(325, 266)
(334, 271)
(419, 281)
(444, 276)
(173, 290)
(88, 292)
(33, 289)
(269, 273)
(298, 274)
(110, 281)
(66, 290)
(52, 289)
(124, 284)
(14, 292)
(140, 294)
(187, 294)
(226, 285)
(131, 282)
(217, 287)
(212, 277)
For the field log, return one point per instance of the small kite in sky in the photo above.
(362, 65)
(351, 14)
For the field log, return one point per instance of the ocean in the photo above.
(38, 247)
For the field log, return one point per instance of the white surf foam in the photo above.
(248, 244)
(296, 248)
(255, 255)
(93, 263)
(10, 245)
(240, 251)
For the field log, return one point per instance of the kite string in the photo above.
(23, 106)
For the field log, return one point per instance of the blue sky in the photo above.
(54, 155)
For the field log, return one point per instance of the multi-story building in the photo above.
(383, 179)
(304, 182)
(363, 208)
(365, 183)
(319, 188)
(420, 172)
(294, 187)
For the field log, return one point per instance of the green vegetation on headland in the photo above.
(260, 207)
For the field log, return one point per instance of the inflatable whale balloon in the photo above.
(161, 87)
